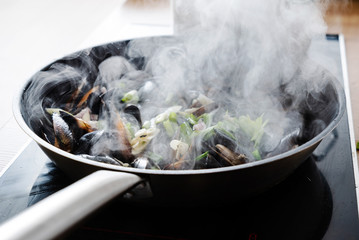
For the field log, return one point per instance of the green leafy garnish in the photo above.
(156, 158)
(170, 127)
(256, 154)
(203, 155)
(253, 128)
(207, 133)
(130, 130)
(205, 118)
(173, 117)
(192, 119)
(131, 97)
(186, 131)
(223, 128)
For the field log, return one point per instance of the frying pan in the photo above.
(99, 182)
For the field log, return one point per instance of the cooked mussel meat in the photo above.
(231, 158)
(63, 135)
(68, 129)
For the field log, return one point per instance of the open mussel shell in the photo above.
(92, 100)
(209, 162)
(67, 130)
(232, 158)
(142, 163)
(87, 141)
(113, 69)
(103, 159)
(134, 111)
(288, 142)
(63, 136)
(107, 144)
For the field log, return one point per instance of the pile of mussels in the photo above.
(115, 120)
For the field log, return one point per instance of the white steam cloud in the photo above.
(250, 57)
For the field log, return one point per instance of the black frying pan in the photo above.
(101, 182)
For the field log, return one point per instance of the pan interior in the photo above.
(320, 109)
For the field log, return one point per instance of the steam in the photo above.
(268, 41)
(249, 57)
(241, 52)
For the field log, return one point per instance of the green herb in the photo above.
(130, 130)
(231, 123)
(207, 133)
(222, 127)
(173, 117)
(170, 127)
(357, 146)
(156, 158)
(192, 119)
(203, 155)
(186, 131)
(252, 128)
(58, 111)
(205, 118)
(131, 97)
(256, 154)
(52, 110)
(146, 125)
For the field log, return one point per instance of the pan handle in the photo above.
(59, 212)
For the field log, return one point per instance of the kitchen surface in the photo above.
(36, 33)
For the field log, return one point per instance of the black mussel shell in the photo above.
(103, 159)
(87, 141)
(288, 142)
(135, 112)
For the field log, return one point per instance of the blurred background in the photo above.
(343, 17)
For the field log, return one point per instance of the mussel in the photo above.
(231, 158)
(120, 115)
(63, 135)
(68, 129)
(87, 141)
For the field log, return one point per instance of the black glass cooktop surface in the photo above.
(318, 201)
